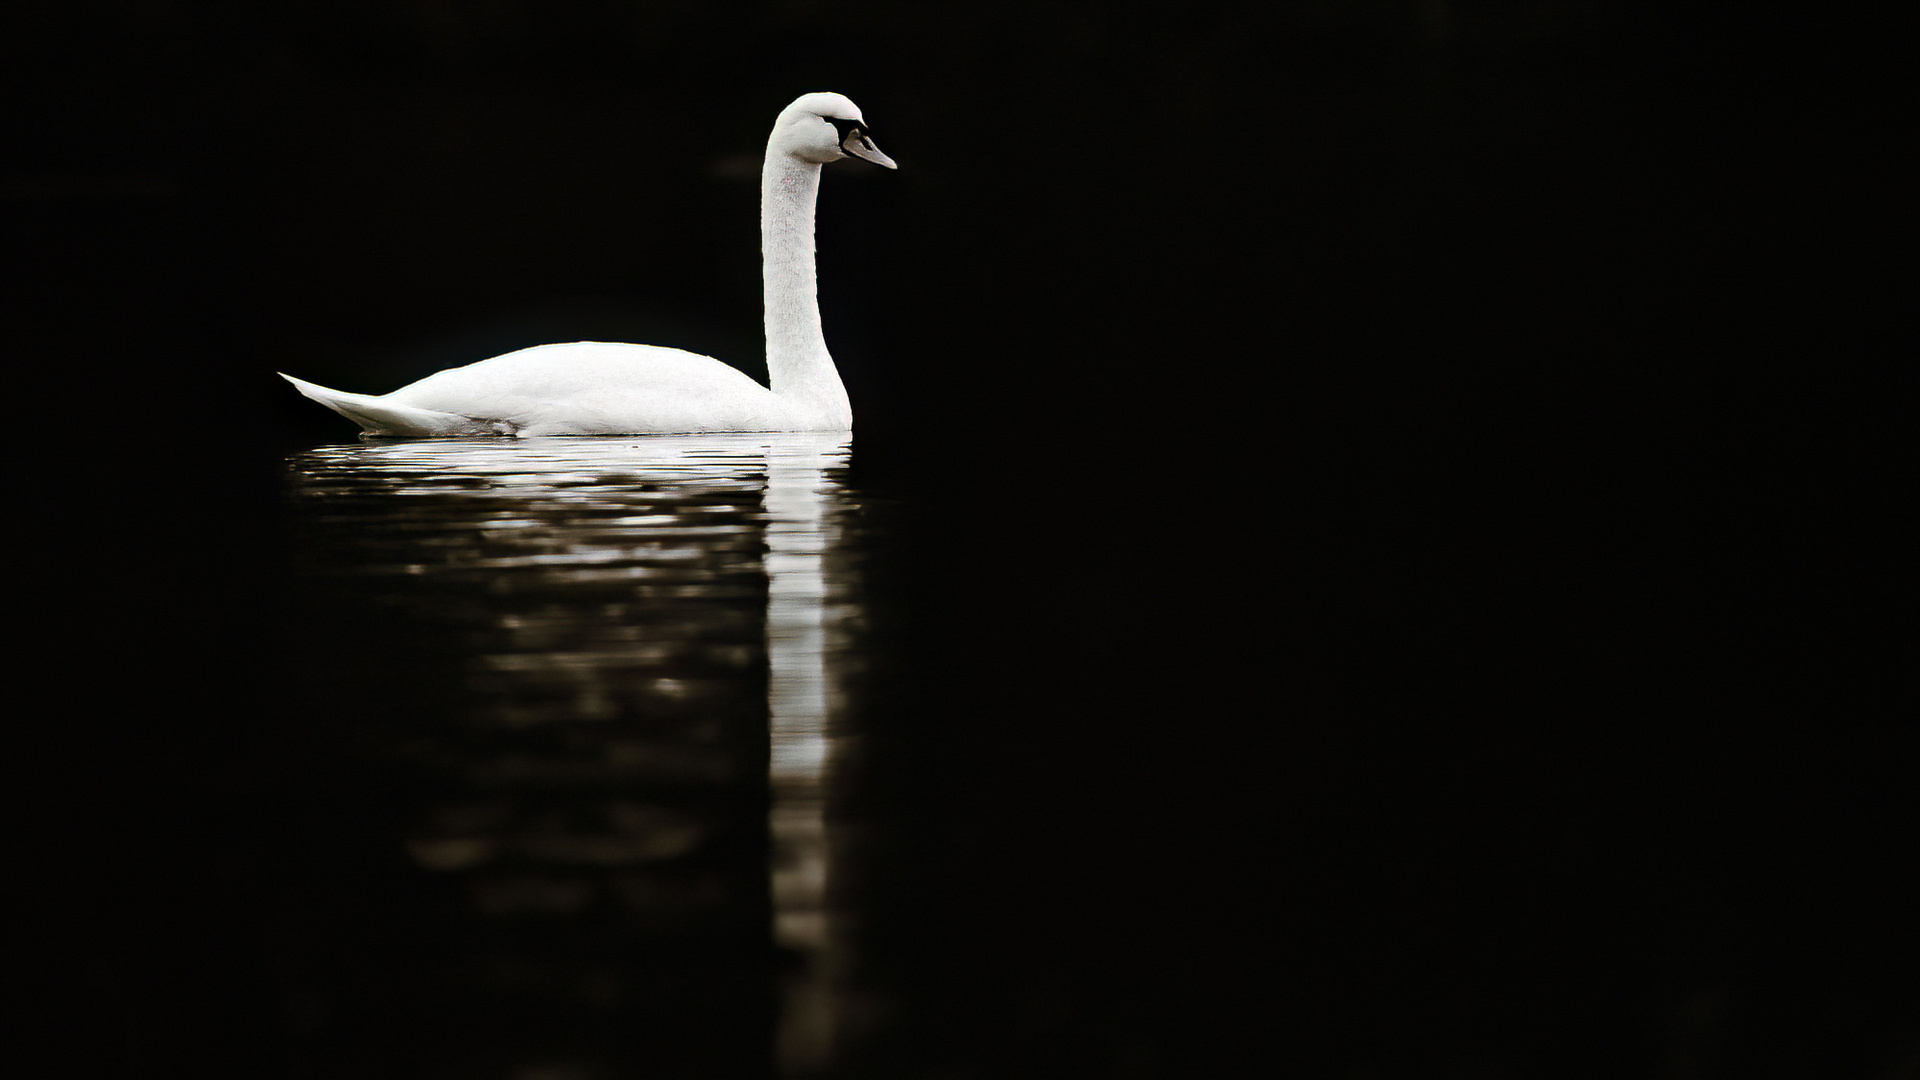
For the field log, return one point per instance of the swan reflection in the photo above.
(585, 689)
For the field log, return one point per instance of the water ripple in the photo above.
(607, 667)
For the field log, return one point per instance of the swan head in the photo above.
(825, 127)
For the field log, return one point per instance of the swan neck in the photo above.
(799, 367)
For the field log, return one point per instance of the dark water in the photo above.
(599, 681)
(703, 757)
(779, 757)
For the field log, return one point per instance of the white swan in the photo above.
(596, 388)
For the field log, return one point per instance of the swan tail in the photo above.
(378, 417)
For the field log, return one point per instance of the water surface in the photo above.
(591, 685)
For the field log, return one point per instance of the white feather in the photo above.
(597, 388)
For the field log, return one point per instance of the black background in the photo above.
(1396, 565)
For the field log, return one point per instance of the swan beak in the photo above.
(857, 144)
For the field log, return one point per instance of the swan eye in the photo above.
(846, 129)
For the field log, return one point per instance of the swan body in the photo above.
(602, 388)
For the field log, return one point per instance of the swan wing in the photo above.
(599, 388)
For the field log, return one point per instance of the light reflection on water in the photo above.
(594, 635)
